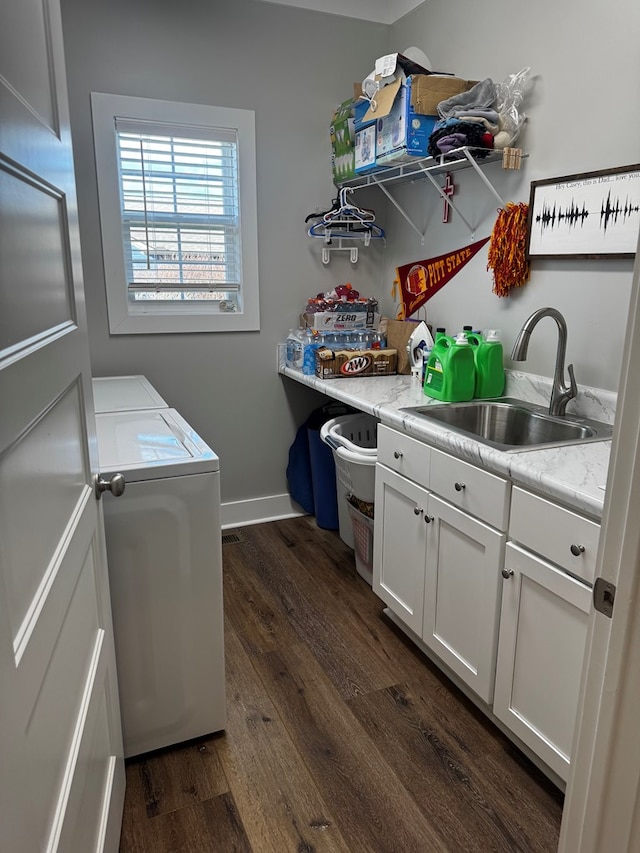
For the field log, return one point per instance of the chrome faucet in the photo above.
(560, 393)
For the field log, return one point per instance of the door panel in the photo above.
(92, 779)
(42, 478)
(543, 633)
(51, 723)
(62, 780)
(35, 650)
(459, 589)
(461, 598)
(27, 30)
(34, 253)
(399, 546)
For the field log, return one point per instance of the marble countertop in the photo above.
(574, 475)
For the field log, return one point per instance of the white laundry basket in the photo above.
(353, 440)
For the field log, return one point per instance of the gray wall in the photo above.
(293, 67)
(585, 65)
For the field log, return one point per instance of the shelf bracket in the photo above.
(398, 207)
(483, 177)
(448, 199)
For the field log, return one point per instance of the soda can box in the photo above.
(345, 363)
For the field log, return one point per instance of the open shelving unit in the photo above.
(428, 168)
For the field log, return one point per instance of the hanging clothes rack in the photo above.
(343, 225)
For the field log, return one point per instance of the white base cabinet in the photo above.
(509, 621)
(436, 566)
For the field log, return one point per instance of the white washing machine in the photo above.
(125, 393)
(165, 568)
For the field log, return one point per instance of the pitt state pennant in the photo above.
(420, 280)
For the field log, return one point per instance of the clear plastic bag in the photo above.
(509, 95)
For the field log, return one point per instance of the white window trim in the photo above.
(180, 317)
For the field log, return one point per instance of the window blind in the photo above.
(180, 211)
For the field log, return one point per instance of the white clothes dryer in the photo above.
(165, 567)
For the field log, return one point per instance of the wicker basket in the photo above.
(362, 542)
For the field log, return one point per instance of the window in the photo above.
(177, 193)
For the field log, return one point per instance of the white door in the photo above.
(62, 779)
(602, 807)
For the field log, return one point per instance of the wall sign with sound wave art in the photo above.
(593, 215)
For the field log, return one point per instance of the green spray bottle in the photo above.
(488, 357)
(450, 373)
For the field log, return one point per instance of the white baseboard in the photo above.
(258, 510)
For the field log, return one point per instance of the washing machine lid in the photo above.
(148, 445)
(125, 393)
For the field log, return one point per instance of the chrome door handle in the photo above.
(397, 454)
(115, 485)
(507, 573)
(459, 486)
(576, 550)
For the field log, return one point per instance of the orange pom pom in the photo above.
(507, 257)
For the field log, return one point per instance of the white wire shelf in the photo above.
(427, 169)
(459, 158)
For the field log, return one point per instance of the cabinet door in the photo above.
(461, 602)
(399, 545)
(543, 632)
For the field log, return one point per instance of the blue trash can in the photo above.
(323, 474)
(311, 472)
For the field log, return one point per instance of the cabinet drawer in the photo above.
(475, 491)
(552, 531)
(406, 455)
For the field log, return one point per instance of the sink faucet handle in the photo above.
(573, 387)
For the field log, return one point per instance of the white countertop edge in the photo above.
(574, 475)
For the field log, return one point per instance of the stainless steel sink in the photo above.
(513, 425)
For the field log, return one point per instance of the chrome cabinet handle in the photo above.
(397, 454)
(115, 485)
(576, 550)
(428, 519)
(459, 486)
(417, 510)
(507, 573)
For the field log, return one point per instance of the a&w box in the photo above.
(334, 363)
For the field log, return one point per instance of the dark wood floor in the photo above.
(341, 736)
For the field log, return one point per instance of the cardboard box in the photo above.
(334, 363)
(346, 119)
(360, 109)
(334, 320)
(342, 132)
(403, 133)
(365, 149)
(427, 90)
(406, 111)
